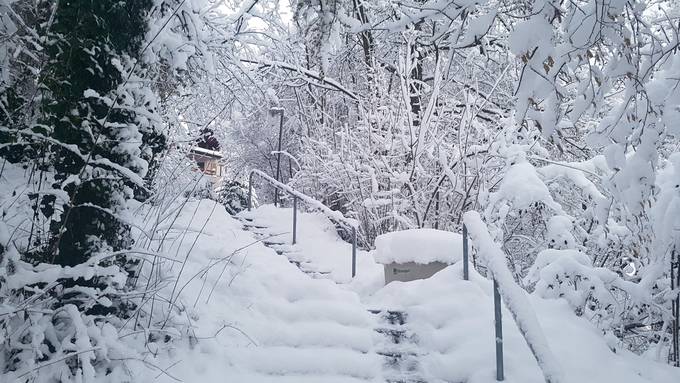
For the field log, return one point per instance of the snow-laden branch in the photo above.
(307, 73)
(290, 156)
(515, 297)
(73, 149)
(330, 213)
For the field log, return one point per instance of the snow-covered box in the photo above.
(417, 253)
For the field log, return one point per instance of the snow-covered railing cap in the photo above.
(514, 296)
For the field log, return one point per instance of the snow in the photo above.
(238, 301)
(208, 152)
(559, 232)
(334, 214)
(453, 320)
(521, 187)
(323, 79)
(281, 324)
(317, 243)
(529, 34)
(514, 296)
(241, 312)
(576, 173)
(420, 246)
(266, 321)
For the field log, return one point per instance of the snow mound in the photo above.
(420, 246)
(453, 320)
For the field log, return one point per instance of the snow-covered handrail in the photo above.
(328, 212)
(514, 296)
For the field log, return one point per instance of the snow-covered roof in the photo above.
(206, 152)
(420, 246)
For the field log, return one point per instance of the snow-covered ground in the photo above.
(266, 320)
(453, 319)
(261, 319)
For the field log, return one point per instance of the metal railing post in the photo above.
(466, 272)
(354, 251)
(299, 196)
(499, 331)
(278, 158)
(250, 190)
(675, 309)
(294, 219)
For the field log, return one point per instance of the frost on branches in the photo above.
(556, 121)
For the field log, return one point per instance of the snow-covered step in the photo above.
(396, 335)
(310, 334)
(307, 361)
(397, 344)
(406, 380)
(274, 240)
(249, 225)
(293, 378)
(339, 311)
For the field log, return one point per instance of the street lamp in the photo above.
(278, 152)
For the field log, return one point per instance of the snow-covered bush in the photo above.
(47, 332)
(569, 274)
(233, 195)
(616, 305)
(81, 145)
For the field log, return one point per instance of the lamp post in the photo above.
(278, 153)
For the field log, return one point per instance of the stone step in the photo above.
(399, 347)
(249, 226)
(393, 317)
(398, 356)
(397, 335)
(316, 275)
(260, 233)
(272, 243)
(405, 380)
(285, 247)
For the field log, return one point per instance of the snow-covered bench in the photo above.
(417, 253)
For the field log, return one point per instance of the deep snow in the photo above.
(266, 321)
(420, 246)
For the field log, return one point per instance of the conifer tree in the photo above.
(99, 121)
(98, 128)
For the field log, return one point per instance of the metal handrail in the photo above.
(548, 364)
(498, 320)
(330, 213)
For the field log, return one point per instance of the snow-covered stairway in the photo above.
(321, 254)
(397, 343)
(279, 242)
(259, 319)
(319, 251)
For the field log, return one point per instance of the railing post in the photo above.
(675, 309)
(354, 251)
(499, 331)
(466, 273)
(250, 190)
(278, 158)
(295, 219)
